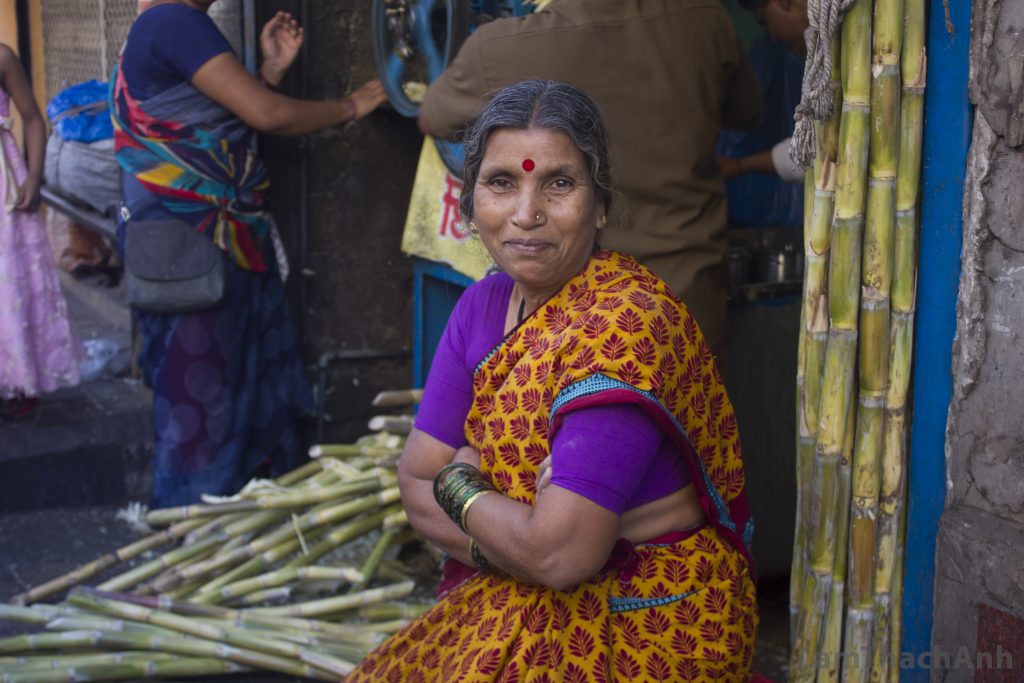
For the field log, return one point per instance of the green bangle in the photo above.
(456, 486)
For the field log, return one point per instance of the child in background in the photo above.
(36, 349)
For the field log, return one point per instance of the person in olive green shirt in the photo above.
(668, 75)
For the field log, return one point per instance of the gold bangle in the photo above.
(465, 507)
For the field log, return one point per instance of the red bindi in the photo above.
(528, 165)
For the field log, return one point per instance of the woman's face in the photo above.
(539, 225)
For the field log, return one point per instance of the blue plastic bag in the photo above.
(80, 112)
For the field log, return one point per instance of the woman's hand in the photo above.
(280, 42)
(366, 98)
(543, 475)
(467, 455)
(28, 195)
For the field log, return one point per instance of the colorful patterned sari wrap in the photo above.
(228, 382)
(679, 608)
(197, 158)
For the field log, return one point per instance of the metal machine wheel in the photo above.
(415, 39)
(413, 42)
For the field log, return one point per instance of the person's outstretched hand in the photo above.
(28, 195)
(280, 41)
(367, 97)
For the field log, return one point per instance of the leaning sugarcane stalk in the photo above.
(814, 332)
(373, 560)
(831, 650)
(100, 564)
(887, 577)
(840, 355)
(874, 336)
(159, 564)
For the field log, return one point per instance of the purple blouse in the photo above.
(615, 456)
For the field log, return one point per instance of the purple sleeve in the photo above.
(616, 456)
(474, 328)
(448, 392)
(166, 46)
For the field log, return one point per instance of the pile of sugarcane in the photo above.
(257, 581)
(857, 322)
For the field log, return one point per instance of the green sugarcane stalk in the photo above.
(264, 597)
(340, 536)
(176, 644)
(279, 577)
(242, 524)
(910, 18)
(838, 379)
(156, 668)
(373, 560)
(300, 473)
(104, 562)
(341, 603)
(819, 201)
(831, 649)
(280, 535)
(257, 564)
(388, 627)
(293, 499)
(44, 662)
(159, 564)
(389, 611)
(344, 633)
(334, 450)
(204, 630)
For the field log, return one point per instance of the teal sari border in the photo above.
(599, 383)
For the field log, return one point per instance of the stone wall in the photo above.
(979, 604)
(340, 197)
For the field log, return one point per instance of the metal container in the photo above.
(784, 264)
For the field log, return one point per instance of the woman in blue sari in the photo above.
(228, 382)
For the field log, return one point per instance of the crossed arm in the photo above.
(561, 541)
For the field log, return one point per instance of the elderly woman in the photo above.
(228, 382)
(575, 454)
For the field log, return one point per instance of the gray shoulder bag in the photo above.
(170, 267)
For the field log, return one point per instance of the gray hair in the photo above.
(540, 104)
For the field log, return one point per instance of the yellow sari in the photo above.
(674, 609)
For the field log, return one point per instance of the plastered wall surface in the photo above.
(980, 556)
(355, 181)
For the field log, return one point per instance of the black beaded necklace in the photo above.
(522, 309)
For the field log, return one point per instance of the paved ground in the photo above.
(67, 469)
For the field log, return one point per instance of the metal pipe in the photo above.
(106, 227)
(947, 136)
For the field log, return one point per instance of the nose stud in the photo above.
(537, 218)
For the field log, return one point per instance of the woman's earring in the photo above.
(603, 221)
(473, 229)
